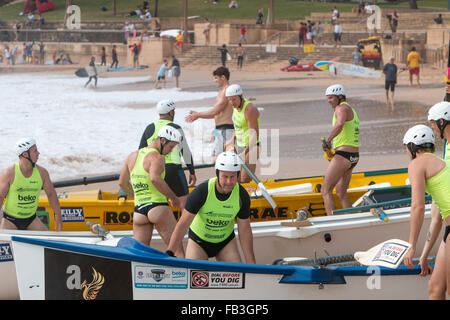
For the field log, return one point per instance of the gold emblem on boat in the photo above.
(91, 290)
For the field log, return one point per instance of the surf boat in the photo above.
(272, 240)
(132, 271)
(115, 212)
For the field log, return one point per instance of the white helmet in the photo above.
(165, 106)
(440, 110)
(418, 135)
(24, 145)
(233, 90)
(335, 90)
(228, 161)
(170, 133)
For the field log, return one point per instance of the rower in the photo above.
(430, 174)
(439, 117)
(142, 175)
(175, 176)
(210, 213)
(344, 137)
(21, 184)
(246, 120)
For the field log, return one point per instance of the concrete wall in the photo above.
(230, 33)
(153, 51)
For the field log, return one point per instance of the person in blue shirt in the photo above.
(161, 75)
(390, 71)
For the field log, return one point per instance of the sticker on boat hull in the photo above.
(217, 280)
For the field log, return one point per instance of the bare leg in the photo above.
(165, 223)
(437, 283)
(335, 171)
(230, 253)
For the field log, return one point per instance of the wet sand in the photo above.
(294, 103)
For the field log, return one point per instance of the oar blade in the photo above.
(387, 254)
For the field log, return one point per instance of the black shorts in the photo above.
(447, 231)
(211, 249)
(176, 179)
(353, 157)
(390, 84)
(145, 208)
(20, 223)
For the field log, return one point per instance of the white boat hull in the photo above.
(326, 236)
(77, 271)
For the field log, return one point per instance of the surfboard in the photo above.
(347, 69)
(323, 65)
(89, 71)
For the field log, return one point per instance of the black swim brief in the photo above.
(20, 223)
(145, 208)
(211, 249)
(447, 231)
(353, 157)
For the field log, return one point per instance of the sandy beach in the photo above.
(294, 104)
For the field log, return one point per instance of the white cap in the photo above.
(335, 90)
(228, 161)
(165, 106)
(233, 90)
(418, 135)
(170, 133)
(24, 144)
(440, 110)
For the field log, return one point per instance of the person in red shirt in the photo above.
(301, 34)
(243, 31)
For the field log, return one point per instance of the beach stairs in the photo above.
(209, 55)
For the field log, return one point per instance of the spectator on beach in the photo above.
(223, 54)
(243, 31)
(206, 31)
(161, 75)
(356, 56)
(128, 29)
(439, 19)
(334, 15)
(103, 56)
(7, 55)
(319, 37)
(16, 28)
(157, 30)
(361, 9)
(41, 53)
(240, 56)
(413, 60)
(390, 71)
(301, 34)
(146, 17)
(233, 4)
(367, 9)
(135, 49)
(176, 70)
(67, 59)
(91, 64)
(260, 17)
(179, 41)
(29, 53)
(393, 22)
(337, 34)
(115, 61)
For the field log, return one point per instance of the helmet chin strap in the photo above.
(442, 127)
(412, 150)
(33, 164)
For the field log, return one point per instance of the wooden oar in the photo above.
(388, 254)
(106, 178)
